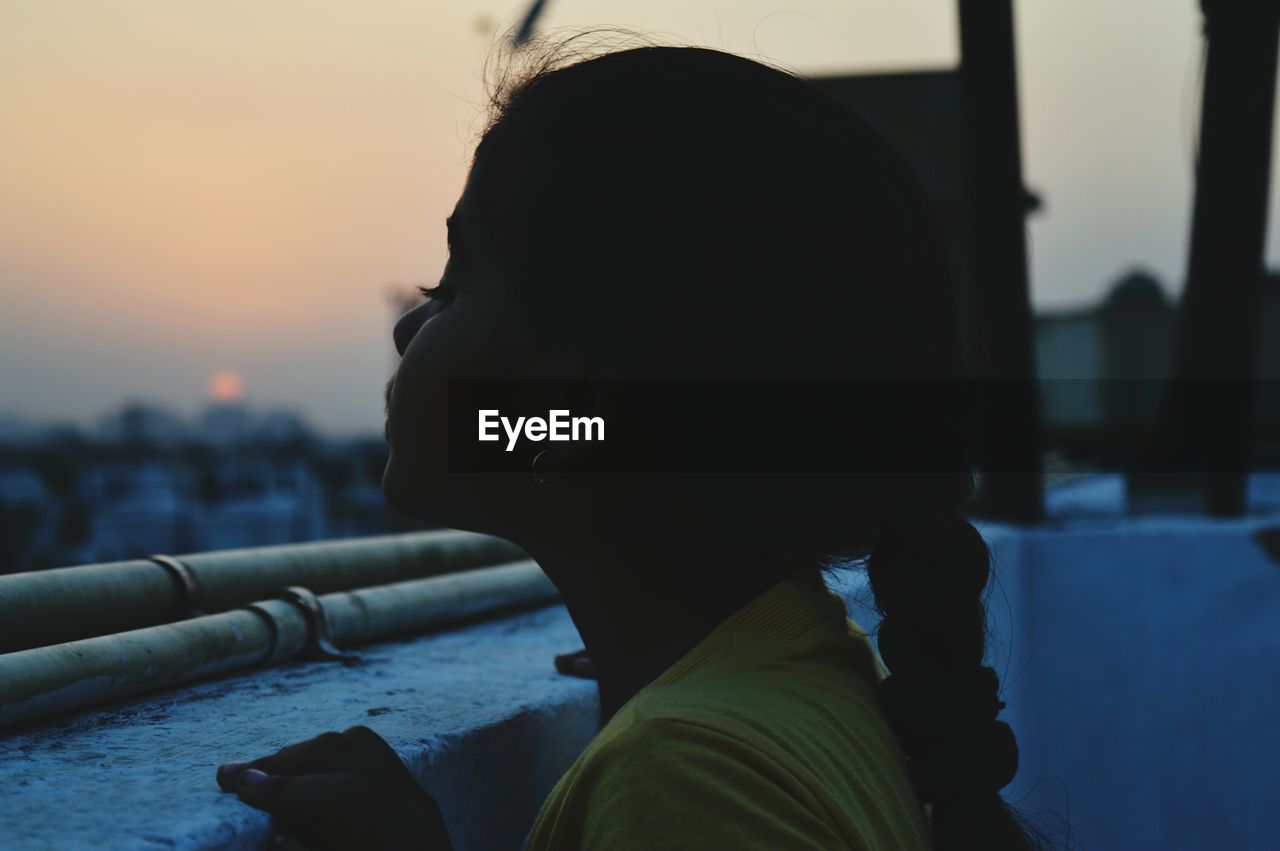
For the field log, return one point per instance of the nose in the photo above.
(407, 327)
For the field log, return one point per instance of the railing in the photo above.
(81, 645)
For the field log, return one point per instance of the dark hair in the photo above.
(743, 194)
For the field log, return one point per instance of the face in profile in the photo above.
(470, 327)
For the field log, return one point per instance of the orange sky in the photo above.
(190, 187)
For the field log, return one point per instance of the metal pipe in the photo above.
(64, 604)
(45, 680)
(368, 614)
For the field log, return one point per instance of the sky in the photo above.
(198, 189)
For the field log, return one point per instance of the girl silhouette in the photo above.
(672, 218)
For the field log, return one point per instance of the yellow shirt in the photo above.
(766, 735)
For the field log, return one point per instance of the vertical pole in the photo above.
(1210, 404)
(1009, 433)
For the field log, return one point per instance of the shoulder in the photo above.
(695, 748)
(669, 783)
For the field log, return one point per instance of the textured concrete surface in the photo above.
(479, 714)
(1140, 661)
(1141, 666)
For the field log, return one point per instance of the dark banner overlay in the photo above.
(828, 426)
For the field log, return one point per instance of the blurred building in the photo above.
(30, 517)
(257, 501)
(147, 481)
(226, 423)
(143, 424)
(136, 507)
(1107, 363)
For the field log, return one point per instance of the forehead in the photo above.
(460, 222)
(467, 224)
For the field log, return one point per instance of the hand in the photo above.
(340, 791)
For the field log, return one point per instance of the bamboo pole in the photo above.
(43, 681)
(65, 604)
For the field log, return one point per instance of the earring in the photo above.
(539, 478)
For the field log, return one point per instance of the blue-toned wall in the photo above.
(1141, 662)
(479, 715)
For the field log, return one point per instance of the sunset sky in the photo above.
(197, 187)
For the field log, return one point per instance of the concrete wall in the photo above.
(479, 715)
(1141, 662)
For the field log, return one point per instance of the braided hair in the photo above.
(928, 569)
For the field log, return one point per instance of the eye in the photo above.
(438, 297)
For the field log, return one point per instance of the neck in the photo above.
(640, 608)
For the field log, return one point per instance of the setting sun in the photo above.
(226, 386)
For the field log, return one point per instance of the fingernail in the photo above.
(253, 777)
(232, 768)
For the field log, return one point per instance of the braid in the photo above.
(928, 569)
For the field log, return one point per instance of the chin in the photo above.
(472, 503)
(424, 496)
(411, 492)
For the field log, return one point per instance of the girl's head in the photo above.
(679, 214)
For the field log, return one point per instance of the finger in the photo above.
(565, 662)
(326, 752)
(358, 751)
(229, 775)
(576, 664)
(326, 810)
